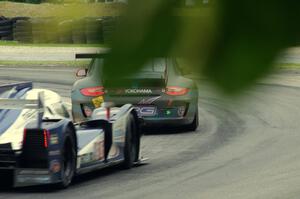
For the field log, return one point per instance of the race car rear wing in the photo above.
(20, 104)
(90, 55)
(16, 104)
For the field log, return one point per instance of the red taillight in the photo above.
(93, 91)
(176, 90)
(46, 138)
(24, 136)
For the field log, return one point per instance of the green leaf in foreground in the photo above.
(149, 30)
(234, 42)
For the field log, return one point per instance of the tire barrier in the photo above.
(109, 26)
(6, 29)
(65, 32)
(22, 30)
(78, 31)
(89, 30)
(93, 30)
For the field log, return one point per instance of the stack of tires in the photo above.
(93, 31)
(22, 30)
(38, 31)
(109, 27)
(65, 29)
(51, 31)
(6, 29)
(78, 31)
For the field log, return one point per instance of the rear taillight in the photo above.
(176, 90)
(92, 91)
(46, 138)
(24, 136)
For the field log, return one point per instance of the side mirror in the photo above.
(81, 73)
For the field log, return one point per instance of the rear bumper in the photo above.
(27, 174)
(23, 177)
(31, 177)
(166, 121)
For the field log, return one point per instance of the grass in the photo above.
(15, 43)
(76, 64)
(71, 10)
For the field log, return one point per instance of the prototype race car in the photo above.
(160, 93)
(40, 143)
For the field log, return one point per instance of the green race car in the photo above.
(160, 93)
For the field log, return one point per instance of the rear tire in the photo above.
(194, 125)
(131, 149)
(7, 178)
(68, 165)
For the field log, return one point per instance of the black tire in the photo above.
(7, 178)
(14, 19)
(69, 154)
(5, 33)
(194, 125)
(5, 22)
(7, 38)
(131, 149)
(22, 23)
(6, 28)
(94, 37)
(65, 39)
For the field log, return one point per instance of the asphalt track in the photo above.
(245, 148)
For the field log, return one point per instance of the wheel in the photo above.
(68, 164)
(131, 149)
(194, 125)
(5, 22)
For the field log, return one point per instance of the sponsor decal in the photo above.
(98, 101)
(55, 166)
(87, 158)
(181, 111)
(54, 139)
(146, 111)
(114, 152)
(78, 162)
(33, 172)
(54, 153)
(29, 114)
(138, 91)
(33, 179)
(149, 100)
(99, 150)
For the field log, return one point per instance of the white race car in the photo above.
(39, 141)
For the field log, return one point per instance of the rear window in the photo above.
(155, 65)
(94, 65)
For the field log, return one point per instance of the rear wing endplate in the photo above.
(20, 104)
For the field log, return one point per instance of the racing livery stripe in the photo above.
(8, 117)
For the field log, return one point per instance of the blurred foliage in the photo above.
(232, 42)
(70, 10)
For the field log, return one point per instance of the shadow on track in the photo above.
(6, 181)
(167, 130)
